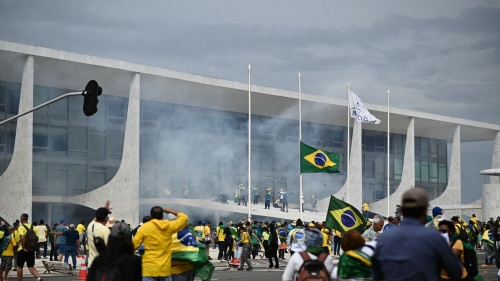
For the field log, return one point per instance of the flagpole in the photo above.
(300, 139)
(249, 143)
(348, 138)
(388, 156)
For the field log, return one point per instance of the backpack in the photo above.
(462, 234)
(31, 239)
(99, 243)
(109, 272)
(4, 243)
(312, 270)
(470, 259)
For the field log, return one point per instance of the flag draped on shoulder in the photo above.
(359, 111)
(313, 160)
(186, 249)
(342, 216)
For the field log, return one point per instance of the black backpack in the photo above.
(462, 234)
(313, 270)
(109, 272)
(30, 239)
(470, 259)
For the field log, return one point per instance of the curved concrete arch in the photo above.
(491, 191)
(123, 188)
(452, 195)
(355, 194)
(19, 172)
(408, 178)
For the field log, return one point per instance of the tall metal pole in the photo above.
(249, 144)
(388, 156)
(300, 139)
(348, 139)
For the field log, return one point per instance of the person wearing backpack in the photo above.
(311, 264)
(469, 267)
(7, 251)
(118, 262)
(26, 249)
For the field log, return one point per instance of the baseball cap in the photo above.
(415, 197)
(436, 211)
(62, 220)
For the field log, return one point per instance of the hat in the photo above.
(436, 211)
(473, 215)
(294, 223)
(72, 226)
(203, 223)
(311, 224)
(314, 240)
(415, 197)
(62, 220)
(111, 222)
(120, 229)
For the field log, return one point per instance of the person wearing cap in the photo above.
(313, 250)
(72, 244)
(119, 250)
(61, 239)
(437, 216)
(98, 232)
(414, 242)
(156, 235)
(111, 221)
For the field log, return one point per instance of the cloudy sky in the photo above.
(441, 57)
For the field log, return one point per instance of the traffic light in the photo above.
(90, 100)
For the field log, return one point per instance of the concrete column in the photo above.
(16, 183)
(123, 189)
(355, 170)
(491, 191)
(408, 177)
(453, 192)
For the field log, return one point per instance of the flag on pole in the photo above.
(342, 216)
(313, 160)
(359, 111)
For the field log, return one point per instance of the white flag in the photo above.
(359, 111)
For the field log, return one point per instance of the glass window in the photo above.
(398, 168)
(78, 138)
(424, 148)
(182, 115)
(369, 142)
(380, 166)
(442, 150)
(443, 173)
(97, 147)
(117, 107)
(327, 137)
(433, 148)
(58, 142)
(150, 111)
(13, 96)
(58, 182)
(115, 142)
(370, 168)
(167, 118)
(77, 176)
(59, 108)
(40, 174)
(424, 171)
(96, 179)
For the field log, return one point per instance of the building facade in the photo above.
(165, 134)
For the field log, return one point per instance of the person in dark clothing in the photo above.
(72, 244)
(229, 243)
(272, 247)
(119, 250)
(53, 246)
(414, 241)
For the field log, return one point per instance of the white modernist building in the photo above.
(167, 136)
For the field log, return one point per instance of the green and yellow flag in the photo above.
(343, 217)
(313, 160)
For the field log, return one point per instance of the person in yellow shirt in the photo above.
(156, 235)
(456, 245)
(221, 240)
(324, 246)
(83, 237)
(366, 209)
(207, 228)
(23, 255)
(7, 254)
(245, 242)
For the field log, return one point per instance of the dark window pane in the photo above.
(97, 145)
(78, 138)
(77, 176)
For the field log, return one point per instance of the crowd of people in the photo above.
(383, 251)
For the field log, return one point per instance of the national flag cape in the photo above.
(359, 111)
(342, 216)
(186, 248)
(313, 160)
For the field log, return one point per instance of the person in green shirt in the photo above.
(255, 192)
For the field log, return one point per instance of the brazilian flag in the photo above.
(313, 160)
(342, 216)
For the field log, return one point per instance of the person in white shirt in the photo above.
(97, 229)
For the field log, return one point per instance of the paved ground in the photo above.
(225, 272)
